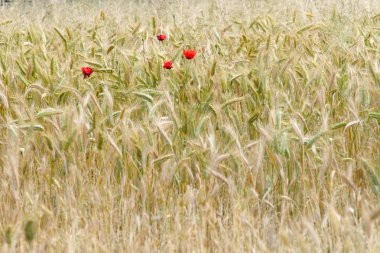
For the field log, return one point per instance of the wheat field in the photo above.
(267, 141)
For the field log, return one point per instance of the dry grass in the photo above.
(267, 142)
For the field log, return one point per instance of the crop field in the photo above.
(190, 126)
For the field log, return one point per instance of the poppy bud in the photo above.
(168, 64)
(189, 54)
(161, 37)
(87, 71)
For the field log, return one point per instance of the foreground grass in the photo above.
(268, 141)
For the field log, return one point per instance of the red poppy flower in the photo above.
(189, 54)
(161, 37)
(168, 64)
(87, 71)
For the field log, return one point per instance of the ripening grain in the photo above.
(179, 126)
